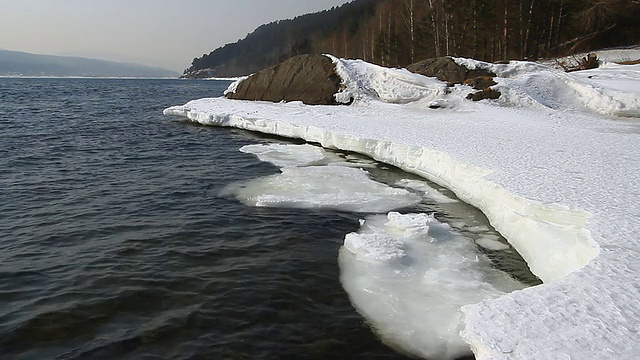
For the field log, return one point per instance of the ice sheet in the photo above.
(559, 182)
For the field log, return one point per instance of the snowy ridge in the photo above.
(558, 180)
(525, 83)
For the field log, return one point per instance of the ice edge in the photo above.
(530, 226)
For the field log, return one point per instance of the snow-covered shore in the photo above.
(552, 168)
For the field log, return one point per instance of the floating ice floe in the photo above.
(300, 185)
(410, 274)
(341, 188)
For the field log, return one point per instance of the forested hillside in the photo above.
(400, 32)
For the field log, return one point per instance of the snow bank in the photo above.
(559, 182)
(233, 87)
(364, 81)
(527, 84)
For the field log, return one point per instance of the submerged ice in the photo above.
(410, 274)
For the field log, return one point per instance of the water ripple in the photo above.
(115, 242)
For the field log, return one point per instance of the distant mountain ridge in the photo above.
(17, 63)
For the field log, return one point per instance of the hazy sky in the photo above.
(164, 33)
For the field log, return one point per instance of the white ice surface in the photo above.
(559, 181)
(410, 275)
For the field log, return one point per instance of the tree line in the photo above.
(400, 32)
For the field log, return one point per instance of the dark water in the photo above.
(115, 242)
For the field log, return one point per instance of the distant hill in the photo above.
(16, 63)
(279, 40)
(401, 32)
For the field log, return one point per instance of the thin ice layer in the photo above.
(409, 275)
(428, 191)
(342, 188)
(560, 184)
(491, 243)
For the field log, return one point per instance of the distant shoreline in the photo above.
(224, 78)
(87, 77)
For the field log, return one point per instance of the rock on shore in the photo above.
(313, 80)
(308, 78)
(446, 69)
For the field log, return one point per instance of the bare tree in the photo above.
(410, 22)
(528, 30)
(435, 20)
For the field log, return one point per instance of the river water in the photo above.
(117, 239)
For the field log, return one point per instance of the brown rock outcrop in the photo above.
(487, 93)
(480, 82)
(446, 69)
(308, 78)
